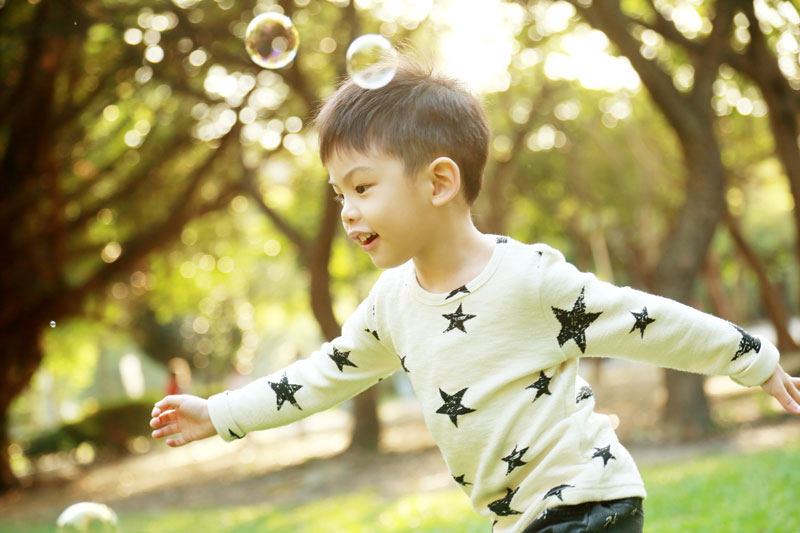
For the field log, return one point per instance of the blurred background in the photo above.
(167, 225)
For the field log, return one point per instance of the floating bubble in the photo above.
(52, 323)
(370, 61)
(86, 517)
(271, 40)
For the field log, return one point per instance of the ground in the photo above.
(298, 463)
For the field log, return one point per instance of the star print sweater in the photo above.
(495, 367)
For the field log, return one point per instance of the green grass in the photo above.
(726, 493)
(721, 493)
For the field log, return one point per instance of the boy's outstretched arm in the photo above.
(183, 416)
(785, 389)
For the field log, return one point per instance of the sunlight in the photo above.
(584, 57)
(479, 41)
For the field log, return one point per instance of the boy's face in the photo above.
(383, 210)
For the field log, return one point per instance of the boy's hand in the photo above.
(785, 389)
(184, 416)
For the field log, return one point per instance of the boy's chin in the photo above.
(385, 263)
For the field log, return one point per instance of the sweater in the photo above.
(494, 365)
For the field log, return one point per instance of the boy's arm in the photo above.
(337, 371)
(589, 317)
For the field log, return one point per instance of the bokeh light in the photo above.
(370, 61)
(271, 40)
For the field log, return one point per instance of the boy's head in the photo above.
(416, 118)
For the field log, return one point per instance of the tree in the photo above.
(115, 137)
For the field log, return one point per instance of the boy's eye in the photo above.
(338, 198)
(361, 189)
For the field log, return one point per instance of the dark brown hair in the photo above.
(418, 116)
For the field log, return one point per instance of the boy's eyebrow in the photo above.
(349, 174)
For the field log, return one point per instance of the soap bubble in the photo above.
(52, 323)
(271, 40)
(370, 61)
(86, 517)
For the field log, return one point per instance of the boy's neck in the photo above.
(455, 255)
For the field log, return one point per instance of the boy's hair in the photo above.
(418, 116)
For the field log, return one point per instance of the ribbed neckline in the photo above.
(431, 298)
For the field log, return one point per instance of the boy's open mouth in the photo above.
(367, 238)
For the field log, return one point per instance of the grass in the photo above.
(720, 493)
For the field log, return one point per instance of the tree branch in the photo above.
(251, 188)
(608, 17)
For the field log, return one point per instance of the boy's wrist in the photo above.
(761, 367)
(222, 420)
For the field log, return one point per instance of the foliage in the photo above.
(109, 429)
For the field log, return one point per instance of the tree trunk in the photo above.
(22, 354)
(366, 431)
(692, 119)
(687, 414)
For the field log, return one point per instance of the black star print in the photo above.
(284, 391)
(502, 240)
(605, 453)
(460, 480)
(642, 321)
(514, 459)
(403, 364)
(575, 322)
(374, 333)
(502, 507)
(541, 386)
(341, 359)
(457, 320)
(234, 435)
(584, 394)
(453, 406)
(556, 491)
(461, 289)
(747, 343)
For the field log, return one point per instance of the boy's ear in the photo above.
(446, 180)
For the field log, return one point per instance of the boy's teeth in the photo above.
(365, 236)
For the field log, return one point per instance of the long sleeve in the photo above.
(337, 371)
(597, 319)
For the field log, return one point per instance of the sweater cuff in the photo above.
(222, 418)
(761, 367)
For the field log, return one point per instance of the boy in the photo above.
(488, 330)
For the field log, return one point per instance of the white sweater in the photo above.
(494, 365)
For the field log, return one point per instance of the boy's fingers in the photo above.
(788, 397)
(176, 442)
(792, 386)
(170, 429)
(163, 418)
(167, 402)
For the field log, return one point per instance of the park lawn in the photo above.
(724, 493)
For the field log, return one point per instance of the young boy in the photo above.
(488, 330)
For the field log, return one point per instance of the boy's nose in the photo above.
(349, 212)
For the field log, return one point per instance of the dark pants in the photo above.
(617, 516)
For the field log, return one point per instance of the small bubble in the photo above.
(88, 516)
(370, 61)
(52, 323)
(271, 40)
